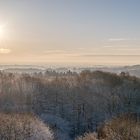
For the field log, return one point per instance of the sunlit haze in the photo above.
(70, 32)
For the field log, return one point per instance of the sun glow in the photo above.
(4, 51)
(2, 31)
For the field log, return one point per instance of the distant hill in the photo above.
(23, 70)
(132, 70)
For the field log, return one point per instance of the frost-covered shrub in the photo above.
(126, 127)
(90, 136)
(23, 127)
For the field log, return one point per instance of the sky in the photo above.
(70, 32)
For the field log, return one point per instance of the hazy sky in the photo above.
(100, 32)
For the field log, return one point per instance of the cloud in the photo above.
(121, 39)
(108, 46)
(122, 48)
(117, 39)
(4, 51)
(110, 55)
(50, 52)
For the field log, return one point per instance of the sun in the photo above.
(2, 31)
